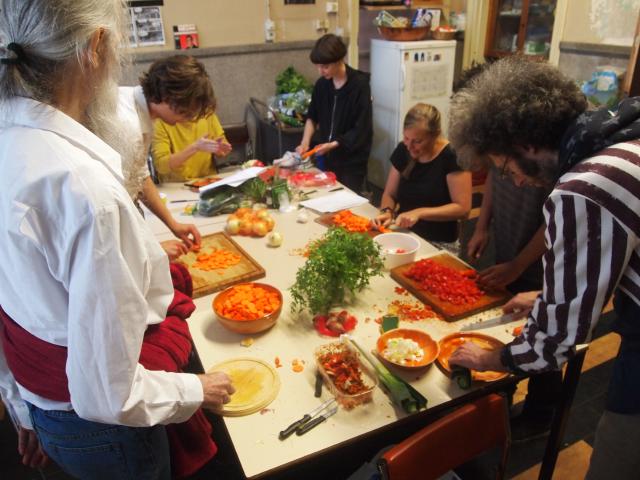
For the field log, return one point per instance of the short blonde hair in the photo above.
(424, 116)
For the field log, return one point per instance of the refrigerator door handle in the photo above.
(403, 75)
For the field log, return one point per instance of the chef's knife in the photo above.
(307, 416)
(304, 428)
(492, 322)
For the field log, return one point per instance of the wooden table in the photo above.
(255, 437)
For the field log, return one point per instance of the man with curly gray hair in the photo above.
(532, 123)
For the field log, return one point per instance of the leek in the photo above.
(402, 394)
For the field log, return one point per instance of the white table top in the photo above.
(255, 437)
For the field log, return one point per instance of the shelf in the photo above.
(384, 7)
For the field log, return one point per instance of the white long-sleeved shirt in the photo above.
(81, 269)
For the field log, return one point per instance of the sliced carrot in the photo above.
(249, 302)
(351, 222)
(216, 259)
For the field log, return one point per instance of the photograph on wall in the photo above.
(147, 27)
(185, 37)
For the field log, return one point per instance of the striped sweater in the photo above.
(593, 242)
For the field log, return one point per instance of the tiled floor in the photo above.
(525, 457)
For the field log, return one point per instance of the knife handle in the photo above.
(305, 427)
(293, 427)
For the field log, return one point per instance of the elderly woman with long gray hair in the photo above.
(86, 287)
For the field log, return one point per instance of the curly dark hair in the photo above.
(511, 104)
(183, 83)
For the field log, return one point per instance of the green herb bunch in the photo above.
(338, 263)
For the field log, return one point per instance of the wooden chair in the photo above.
(451, 441)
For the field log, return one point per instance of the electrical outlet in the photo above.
(321, 24)
(332, 7)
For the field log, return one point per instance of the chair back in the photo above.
(451, 441)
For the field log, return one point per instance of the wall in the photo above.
(241, 22)
(593, 33)
(610, 22)
(233, 48)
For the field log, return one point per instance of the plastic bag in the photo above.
(290, 108)
(603, 89)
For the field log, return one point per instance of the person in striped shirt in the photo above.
(532, 123)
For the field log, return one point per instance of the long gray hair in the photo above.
(53, 33)
(42, 41)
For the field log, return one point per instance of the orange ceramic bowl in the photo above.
(428, 344)
(247, 326)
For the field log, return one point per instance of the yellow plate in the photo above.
(256, 382)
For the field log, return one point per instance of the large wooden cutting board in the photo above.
(449, 311)
(205, 282)
(326, 219)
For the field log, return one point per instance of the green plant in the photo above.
(338, 263)
(289, 81)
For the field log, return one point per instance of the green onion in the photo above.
(402, 394)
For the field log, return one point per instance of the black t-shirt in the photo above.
(427, 187)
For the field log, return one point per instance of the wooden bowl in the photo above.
(404, 34)
(429, 345)
(439, 34)
(247, 326)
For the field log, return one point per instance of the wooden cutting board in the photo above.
(206, 282)
(449, 311)
(326, 220)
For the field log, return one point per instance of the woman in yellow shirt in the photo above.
(186, 150)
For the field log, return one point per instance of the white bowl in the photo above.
(390, 243)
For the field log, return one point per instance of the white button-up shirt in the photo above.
(81, 269)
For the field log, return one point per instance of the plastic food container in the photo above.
(333, 361)
(397, 248)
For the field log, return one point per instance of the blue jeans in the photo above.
(91, 450)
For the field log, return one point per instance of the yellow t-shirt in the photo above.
(170, 139)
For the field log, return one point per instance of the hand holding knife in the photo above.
(310, 419)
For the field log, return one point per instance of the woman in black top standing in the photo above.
(339, 113)
(425, 184)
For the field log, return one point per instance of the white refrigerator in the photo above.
(403, 74)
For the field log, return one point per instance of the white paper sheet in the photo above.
(236, 179)
(334, 202)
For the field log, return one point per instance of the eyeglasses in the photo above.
(504, 173)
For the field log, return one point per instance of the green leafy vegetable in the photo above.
(402, 394)
(255, 189)
(338, 263)
(289, 81)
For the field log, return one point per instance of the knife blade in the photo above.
(304, 428)
(492, 322)
(305, 418)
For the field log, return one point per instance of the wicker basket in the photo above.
(407, 34)
(443, 34)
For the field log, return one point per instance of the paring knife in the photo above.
(492, 322)
(305, 419)
(305, 427)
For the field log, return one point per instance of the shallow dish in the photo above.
(397, 248)
(424, 341)
(247, 326)
(450, 344)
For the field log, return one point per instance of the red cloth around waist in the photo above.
(40, 367)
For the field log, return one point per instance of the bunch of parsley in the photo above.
(338, 263)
